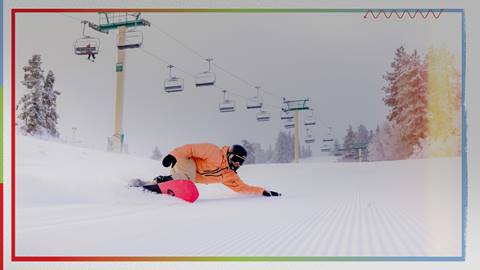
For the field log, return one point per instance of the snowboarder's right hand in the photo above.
(169, 160)
(267, 193)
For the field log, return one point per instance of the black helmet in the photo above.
(236, 153)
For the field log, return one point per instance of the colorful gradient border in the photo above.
(16, 258)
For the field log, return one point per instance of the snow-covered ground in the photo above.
(74, 201)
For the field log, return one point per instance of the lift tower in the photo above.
(295, 105)
(128, 38)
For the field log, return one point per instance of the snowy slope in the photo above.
(74, 201)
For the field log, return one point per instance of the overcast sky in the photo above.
(335, 59)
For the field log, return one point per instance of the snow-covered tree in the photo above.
(349, 143)
(283, 148)
(269, 154)
(395, 81)
(260, 154)
(336, 148)
(49, 100)
(406, 95)
(361, 136)
(156, 155)
(387, 144)
(31, 110)
(250, 147)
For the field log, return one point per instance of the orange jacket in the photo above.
(212, 166)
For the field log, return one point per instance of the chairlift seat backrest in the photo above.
(173, 84)
(289, 123)
(309, 138)
(263, 116)
(205, 78)
(86, 45)
(227, 106)
(286, 116)
(309, 121)
(254, 103)
(133, 40)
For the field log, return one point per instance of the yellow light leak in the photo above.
(443, 128)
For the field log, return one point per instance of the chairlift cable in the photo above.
(214, 64)
(193, 76)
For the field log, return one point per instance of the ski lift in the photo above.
(86, 44)
(309, 120)
(263, 116)
(325, 148)
(133, 40)
(329, 137)
(205, 78)
(285, 115)
(309, 137)
(289, 123)
(255, 102)
(173, 84)
(226, 105)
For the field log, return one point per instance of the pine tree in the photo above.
(250, 147)
(260, 154)
(387, 144)
(49, 100)
(406, 95)
(395, 81)
(269, 154)
(156, 155)
(349, 143)
(283, 149)
(32, 112)
(361, 137)
(412, 120)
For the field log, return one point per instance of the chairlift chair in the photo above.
(172, 83)
(289, 123)
(133, 40)
(329, 137)
(205, 78)
(86, 45)
(285, 115)
(309, 138)
(325, 148)
(263, 116)
(309, 120)
(255, 102)
(226, 105)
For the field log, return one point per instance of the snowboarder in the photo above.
(90, 53)
(207, 163)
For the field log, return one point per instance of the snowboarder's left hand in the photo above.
(267, 193)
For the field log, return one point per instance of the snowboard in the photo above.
(182, 189)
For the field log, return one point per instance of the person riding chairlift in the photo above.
(90, 52)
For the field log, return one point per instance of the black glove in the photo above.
(169, 160)
(267, 193)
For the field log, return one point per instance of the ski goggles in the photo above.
(236, 158)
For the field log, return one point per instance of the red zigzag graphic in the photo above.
(400, 14)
